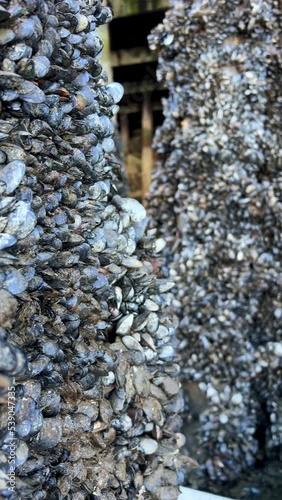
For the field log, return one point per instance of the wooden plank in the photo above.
(137, 55)
(123, 8)
(133, 167)
(146, 86)
(129, 109)
(124, 131)
(106, 54)
(147, 158)
(136, 108)
(136, 194)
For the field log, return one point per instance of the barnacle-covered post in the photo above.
(89, 396)
(216, 198)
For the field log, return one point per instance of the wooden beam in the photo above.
(129, 109)
(136, 194)
(106, 54)
(129, 7)
(147, 158)
(136, 108)
(137, 87)
(133, 167)
(124, 131)
(139, 55)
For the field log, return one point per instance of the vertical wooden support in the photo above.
(129, 7)
(124, 131)
(104, 32)
(147, 137)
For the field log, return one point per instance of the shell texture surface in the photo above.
(86, 338)
(216, 199)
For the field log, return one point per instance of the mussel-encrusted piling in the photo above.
(216, 199)
(87, 360)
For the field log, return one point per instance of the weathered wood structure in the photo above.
(130, 62)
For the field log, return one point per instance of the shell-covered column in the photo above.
(216, 199)
(89, 397)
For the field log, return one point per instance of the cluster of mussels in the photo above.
(216, 199)
(89, 399)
